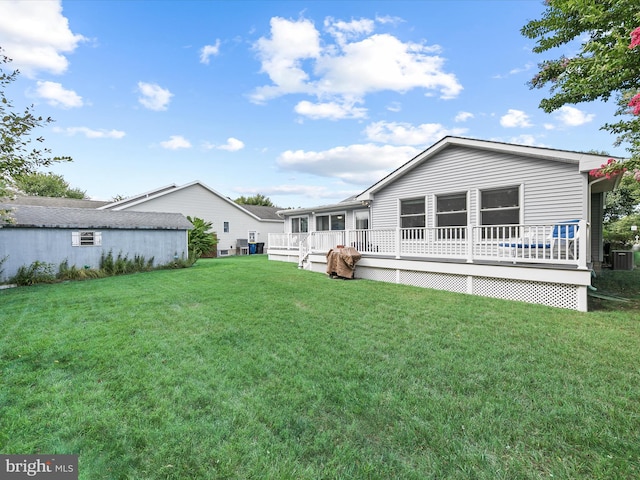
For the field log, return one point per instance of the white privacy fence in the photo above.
(559, 243)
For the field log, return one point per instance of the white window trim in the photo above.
(467, 205)
(520, 188)
(76, 239)
(424, 198)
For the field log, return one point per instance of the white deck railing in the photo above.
(548, 243)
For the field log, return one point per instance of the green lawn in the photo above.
(244, 368)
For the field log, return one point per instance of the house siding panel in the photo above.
(23, 246)
(553, 190)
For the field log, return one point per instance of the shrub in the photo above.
(42, 272)
(37, 272)
(66, 272)
(179, 262)
(201, 241)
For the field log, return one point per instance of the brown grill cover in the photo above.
(342, 261)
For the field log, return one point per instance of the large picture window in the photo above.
(334, 221)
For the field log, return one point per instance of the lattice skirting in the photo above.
(551, 294)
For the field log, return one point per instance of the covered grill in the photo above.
(341, 262)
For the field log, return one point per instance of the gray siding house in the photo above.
(469, 216)
(81, 235)
(234, 224)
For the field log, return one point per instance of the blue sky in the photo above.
(304, 102)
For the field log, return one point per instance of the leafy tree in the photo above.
(18, 156)
(201, 241)
(619, 233)
(47, 185)
(257, 199)
(623, 201)
(607, 63)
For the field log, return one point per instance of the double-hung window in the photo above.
(412, 218)
(451, 211)
(500, 206)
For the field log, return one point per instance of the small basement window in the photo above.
(86, 239)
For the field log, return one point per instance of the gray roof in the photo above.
(263, 212)
(55, 202)
(59, 217)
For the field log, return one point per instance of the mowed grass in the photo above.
(245, 368)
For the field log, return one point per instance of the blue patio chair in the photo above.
(562, 238)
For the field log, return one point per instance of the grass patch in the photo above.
(244, 368)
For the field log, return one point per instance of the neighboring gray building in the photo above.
(234, 224)
(81, 235)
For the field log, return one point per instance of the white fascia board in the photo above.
(134, 200)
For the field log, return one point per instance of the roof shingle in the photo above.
(60, 217)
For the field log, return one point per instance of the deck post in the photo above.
(582, 244)
(398, 241)
(470, 240)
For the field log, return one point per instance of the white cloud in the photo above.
(176, 142)
(407, 134)
(282, 56)
(154, 97)
(515, 118)
(356, 164)
(299, 61)
(515, 71)
(463, 116)
(573, 117)
(57, 96)
(90, 133)
(525, 140)
(329, 110)
(209, 51)
(344, 31)
(232, 145)
(394, 107)
(36, 36)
